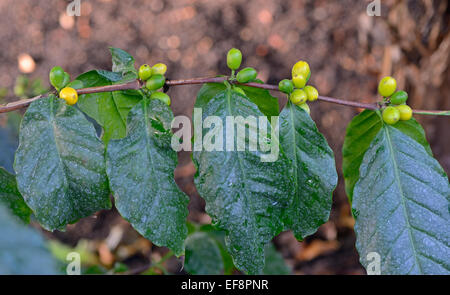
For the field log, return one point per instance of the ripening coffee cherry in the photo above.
(399, 97)
(298, 96)
(387, 86)
(405, 112)
(391, 115)
(155, 82)
(286, 86)
(305, 106)
(159, 68)
(246, 75)
(239, 90)
(56, 77)
(299, 81)
(145, 72)
(301, 68)
(312, 93)
(161, 96)
(70, 95)
(234, 58)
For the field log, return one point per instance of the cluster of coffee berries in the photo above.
(61, 81)
(154, 79)
(397, 108)
(234, 60)
(297, 89)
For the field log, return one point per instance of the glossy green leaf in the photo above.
(275, 264)
(122, 62)
(22, 249)
(9, 139)
(207, 92)
(11, 198)
(313, 168)
(203, 255)
(219, 237)
(414, 130)
(8, 145)
(109, 109)
(360, 133)
(244, 196)
(266, 103)
(401, 205)
(140, 169)
(60, 164)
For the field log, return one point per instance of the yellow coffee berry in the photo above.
(301, 68)
(298, 96)
(299, 81)
(387, 86)
(312, 93)
(159, 68)
(145, 72)
(70, 95)
(405, 112)
(391, 115)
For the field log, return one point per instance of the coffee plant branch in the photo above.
(138, 84)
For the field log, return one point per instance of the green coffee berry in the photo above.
(234, 58)
(56, 77)
(312, 93)
(145, 72)
(286, 86)
(298, 96)
(246, 75)
(66, 79)
(387, 86)
(399, 97)
(155, 82)
(161, 96)
(391, 115)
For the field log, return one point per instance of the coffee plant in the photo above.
(64, 171)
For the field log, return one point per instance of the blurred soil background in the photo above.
(348, 51)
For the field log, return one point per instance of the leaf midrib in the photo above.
(294, 143)
(228, 93)
(148, 152)
(116, 108)
(63, 165)
(402, 195)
